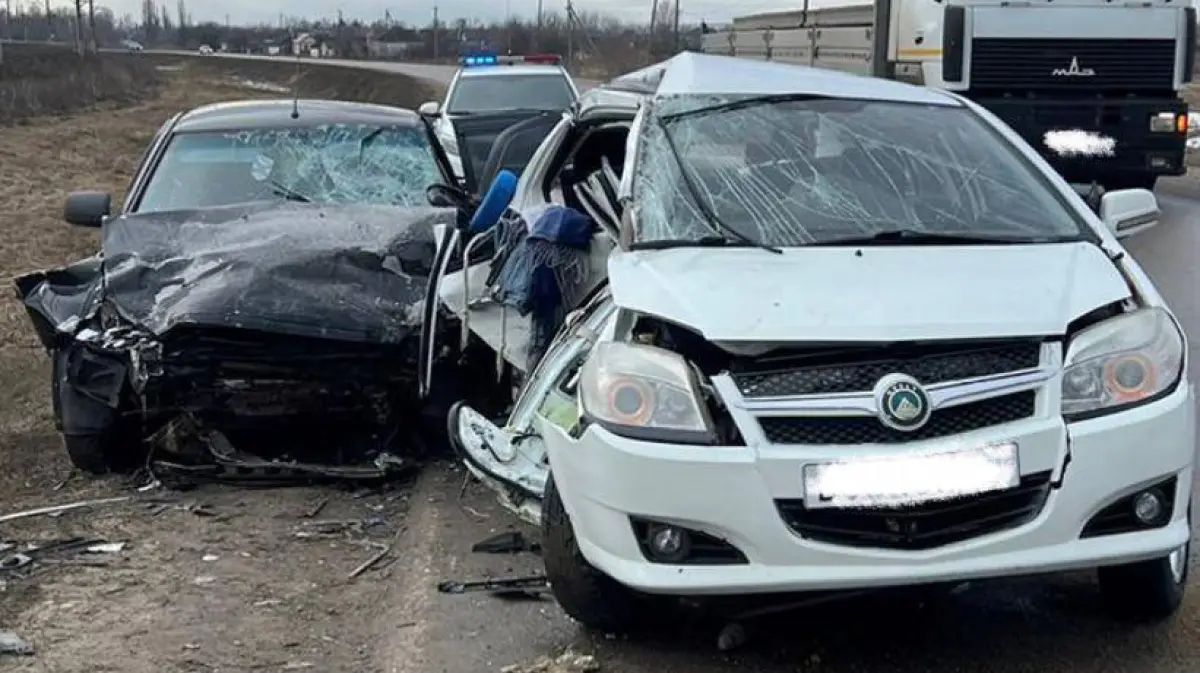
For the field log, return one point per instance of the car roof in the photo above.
(277, 113)
(506, 70)
(708, 74)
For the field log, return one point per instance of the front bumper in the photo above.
(730, 493)
(1138, 151)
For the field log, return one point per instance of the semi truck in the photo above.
(1093, 85)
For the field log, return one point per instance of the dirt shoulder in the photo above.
(213, 579)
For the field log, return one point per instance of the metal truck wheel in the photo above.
(590, 597)
(1149, 591)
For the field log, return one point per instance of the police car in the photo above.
(487, 84)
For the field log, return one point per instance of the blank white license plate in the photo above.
(911, 478)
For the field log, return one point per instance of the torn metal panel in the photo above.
(354, 273)
(185, 450)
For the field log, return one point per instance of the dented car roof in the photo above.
(694, 73)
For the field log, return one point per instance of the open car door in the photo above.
(476, 136)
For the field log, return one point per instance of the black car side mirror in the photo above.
(87, 209)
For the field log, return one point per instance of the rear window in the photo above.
(330, 163)
(510, 92)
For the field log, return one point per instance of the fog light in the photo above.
(668, 543)
(1163, 122)
(1148, 506)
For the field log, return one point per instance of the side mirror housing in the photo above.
(1126, 211)
(87, 209)
(429, 109)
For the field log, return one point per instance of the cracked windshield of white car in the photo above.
(794, 171)
(327, 163)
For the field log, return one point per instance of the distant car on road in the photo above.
(205, 49)
(132, 45)
(493, 85)
(270, 259)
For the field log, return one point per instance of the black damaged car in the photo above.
(254, 309)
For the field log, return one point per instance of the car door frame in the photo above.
(451, 241)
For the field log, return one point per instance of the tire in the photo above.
(90, 453)
(587, 595)
(1148, 591)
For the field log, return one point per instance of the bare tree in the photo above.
(92, 26)
(79, 27)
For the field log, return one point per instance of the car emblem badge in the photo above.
(1073, 70)
(902, 403)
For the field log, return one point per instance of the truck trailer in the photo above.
(1093, 85)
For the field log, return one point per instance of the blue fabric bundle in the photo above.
(545, 270)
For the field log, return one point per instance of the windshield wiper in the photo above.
(917, 237)
(287, 192)
(670, 243)
(694, 191)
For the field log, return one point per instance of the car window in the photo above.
(798, 172)
(332, 163)
(510, 92)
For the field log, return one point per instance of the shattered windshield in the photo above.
(331, 163)
(794, 172)
(510, 92)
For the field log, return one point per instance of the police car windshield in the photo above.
(487, 93)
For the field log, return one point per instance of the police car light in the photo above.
(479, 59)
(487, 58)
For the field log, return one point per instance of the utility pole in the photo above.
(508, 26)
(676, 26)
(537, 33)
(436, 51)
(570, 33)
(653, 26)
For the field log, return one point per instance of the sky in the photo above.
(420, 12)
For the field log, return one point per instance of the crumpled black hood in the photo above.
(355, 273)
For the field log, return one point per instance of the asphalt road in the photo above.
(440, 74)
(1015, 626)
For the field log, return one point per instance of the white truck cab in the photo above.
(1107, 69)
(822, 332)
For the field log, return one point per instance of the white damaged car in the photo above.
(829, 333)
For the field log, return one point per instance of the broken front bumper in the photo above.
(738, 498)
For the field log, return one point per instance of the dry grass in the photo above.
(36, 80)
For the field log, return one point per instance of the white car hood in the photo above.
(881, 293)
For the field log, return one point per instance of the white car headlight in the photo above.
(643, 392)
(1121, 362)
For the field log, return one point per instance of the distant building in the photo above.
(395, 42)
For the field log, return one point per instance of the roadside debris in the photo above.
(567, 662)
(11, 643)
(515, 587)
(64, 552)
(58, 509)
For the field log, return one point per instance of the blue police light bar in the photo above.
(483, 58)
(491, 58)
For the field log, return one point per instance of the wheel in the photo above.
(90, 453)
(1149, 591)
(587, 595)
